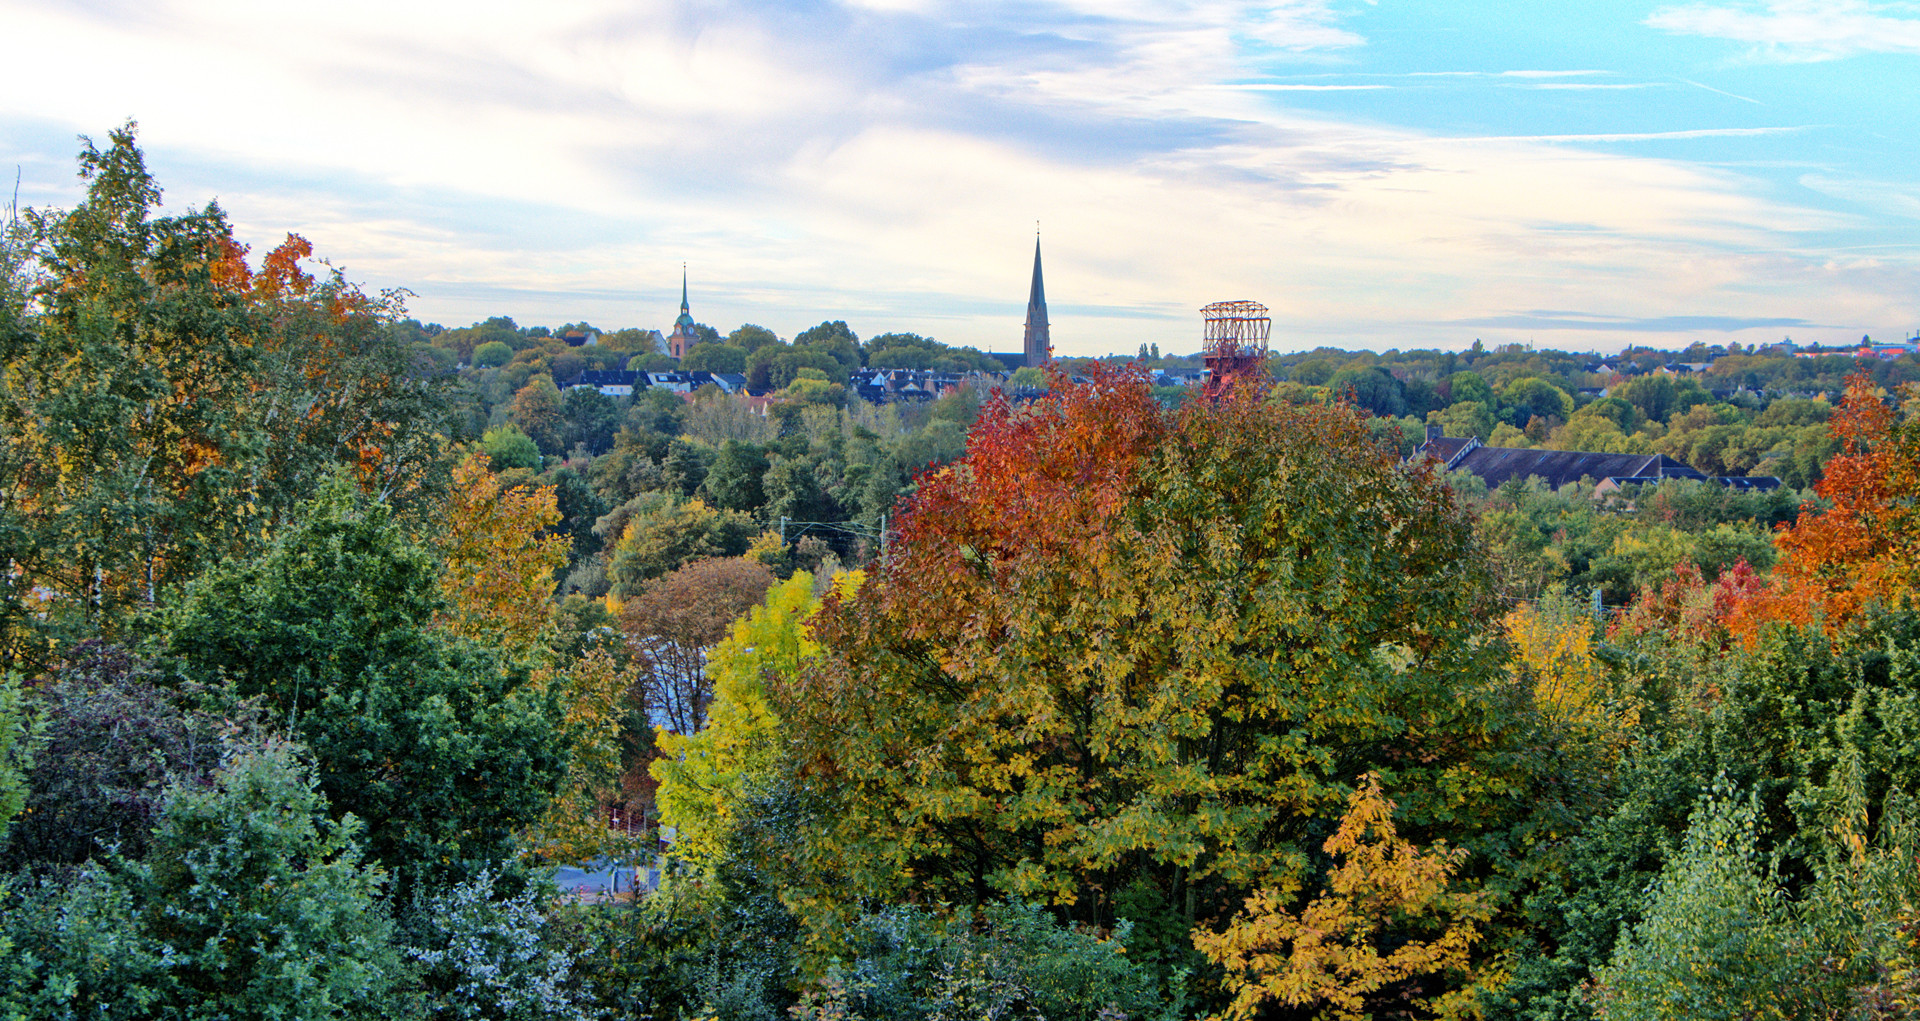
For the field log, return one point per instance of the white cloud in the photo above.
(1801, 30)
(1295, 87)
(884, 162)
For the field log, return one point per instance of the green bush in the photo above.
(1006, 960)
(1714, 943)
(492, 355)
(508, 447)
(16, 752)
(250, 904)
(445, 749)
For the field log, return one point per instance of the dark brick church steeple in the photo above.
(1039, 346)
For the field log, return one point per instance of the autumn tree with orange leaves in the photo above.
(162, 406)
(1120, 653)
(1863, 549)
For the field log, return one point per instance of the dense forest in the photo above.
(326, 635)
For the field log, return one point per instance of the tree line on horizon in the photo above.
(1149, 706)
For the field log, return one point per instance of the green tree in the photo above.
(1027, 378)
(774, 367)
(591, 418)
(1371, 389)
(834, 339)
(165, 405)
(733, 483)
(715, 358)
(751, 338)
(265, 906)
(686, 465)
(1467, 385)
(793, 491)
(633, 340)
(75, 947)
(663, 533)
(657, 411)
(1313, 372)
(508, 447)
(1467, 418)
(444, 749)
(1714, 943)
(912, 351)
(1659, 396)
(249, 904)
(1533, 397)
(492, 355)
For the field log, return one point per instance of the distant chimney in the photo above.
(1433, 431)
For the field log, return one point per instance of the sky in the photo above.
(1575, 175)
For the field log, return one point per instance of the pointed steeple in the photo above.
(1039, 343)
(684, 336)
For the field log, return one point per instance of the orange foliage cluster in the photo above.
(1061, 469)
(1863, 550)
(1686, 605)
(280, 274)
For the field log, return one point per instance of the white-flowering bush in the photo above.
(486, 956)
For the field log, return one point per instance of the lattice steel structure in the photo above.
(1236, 343)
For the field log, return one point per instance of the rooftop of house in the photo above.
(1556, 468)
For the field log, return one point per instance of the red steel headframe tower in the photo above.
(1236, 344)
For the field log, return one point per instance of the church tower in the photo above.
(682, 339)
(1039, 346)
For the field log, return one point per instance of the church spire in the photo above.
(1039, 344)
(684, 336)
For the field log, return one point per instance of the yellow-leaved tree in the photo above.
(708, 776)
(1553, 656)
(499, 567)
(1385, 892)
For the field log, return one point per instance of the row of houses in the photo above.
(1610, 472)
(1787, 348)
(876, 386)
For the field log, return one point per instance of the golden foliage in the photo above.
(499, 567)
(1329, 954)
(1553, 656)
(1118, 640)
(707, 778)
